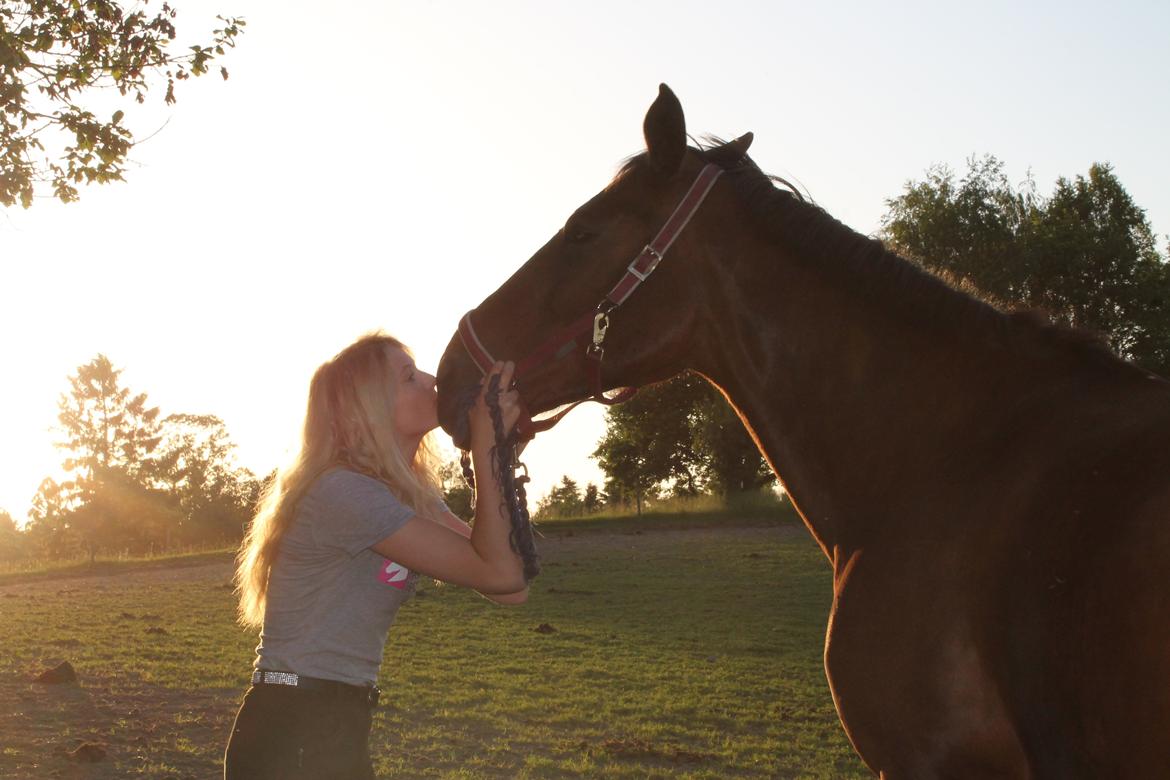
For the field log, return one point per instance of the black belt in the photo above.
(369, 693)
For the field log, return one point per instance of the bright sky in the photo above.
(387, 165)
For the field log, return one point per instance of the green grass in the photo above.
(751, 509)
(677, 653)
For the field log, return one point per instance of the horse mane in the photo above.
(868, 266)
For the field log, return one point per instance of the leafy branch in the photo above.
(55, 53)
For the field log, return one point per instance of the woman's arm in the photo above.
(484, 560)
(457, 525)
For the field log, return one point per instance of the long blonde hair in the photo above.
(348, 423)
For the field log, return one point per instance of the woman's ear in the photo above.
(665, 131)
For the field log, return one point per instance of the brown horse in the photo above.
(993, 492)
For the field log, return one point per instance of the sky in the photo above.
(387, 165)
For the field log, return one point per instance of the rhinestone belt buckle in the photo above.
(274, 678)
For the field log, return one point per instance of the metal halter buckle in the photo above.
(655, 259)
(600, 326)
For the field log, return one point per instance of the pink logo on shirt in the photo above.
(394, 574)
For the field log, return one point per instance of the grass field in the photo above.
(679, 651)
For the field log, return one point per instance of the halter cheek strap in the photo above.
(588, 331)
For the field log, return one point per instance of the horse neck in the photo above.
(851, 396)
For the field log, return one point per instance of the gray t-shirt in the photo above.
(331, 600)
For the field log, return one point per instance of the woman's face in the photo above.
(416, 404)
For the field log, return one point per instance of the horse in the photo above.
(992, 491)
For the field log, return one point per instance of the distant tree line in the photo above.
(134, 481)
(1085, 255)
(138, 482)
(566, 499)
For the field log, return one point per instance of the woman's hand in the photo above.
(483, 434)
(485, 560)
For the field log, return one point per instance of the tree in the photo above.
(621, 454)
(1105, 269)
(563, 500)
(682, 435)
(110, 439)
(55, 54)
(732, 462)
(457, 493)
(104, 426)
(12, 541)
(196, 466)
(49, 529)
(649, 441)
(120, 513)
(591, 501)
(1086, 254)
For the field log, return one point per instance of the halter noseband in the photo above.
(589, 331)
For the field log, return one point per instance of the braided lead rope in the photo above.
(504, 463)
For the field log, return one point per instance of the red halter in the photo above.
(589, 331)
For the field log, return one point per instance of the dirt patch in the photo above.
(61, 674)
(214, 574)
(114, 728)
(645, 750)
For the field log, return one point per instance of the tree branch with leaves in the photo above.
(56, 56)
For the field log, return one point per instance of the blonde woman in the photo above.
(335, 549)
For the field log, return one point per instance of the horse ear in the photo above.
(665, 130)
(740, 145)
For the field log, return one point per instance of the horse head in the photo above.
(652, 335)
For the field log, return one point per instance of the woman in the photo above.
(335, 549)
